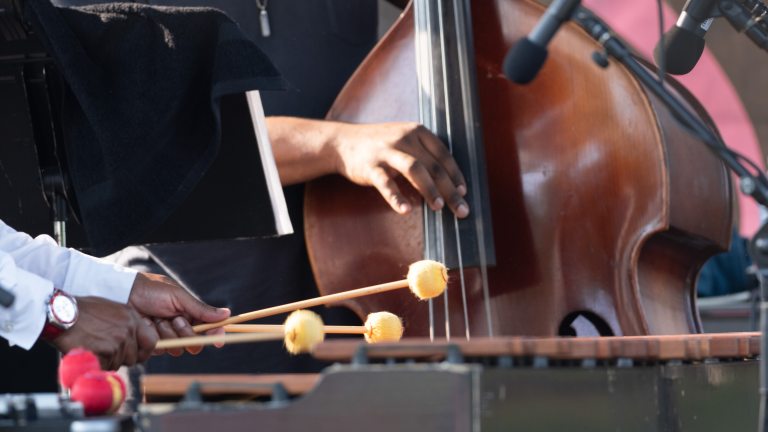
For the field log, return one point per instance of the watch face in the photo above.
(64, 309)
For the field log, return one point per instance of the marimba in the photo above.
(706, 382)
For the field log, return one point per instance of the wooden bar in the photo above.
(162, 385)
(695, 347)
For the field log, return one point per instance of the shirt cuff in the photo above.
(22, 324)
(89, 276)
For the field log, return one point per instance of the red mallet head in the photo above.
(118, 389)
(99, 392)
(74, 364)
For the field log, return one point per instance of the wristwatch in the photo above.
(61, 314)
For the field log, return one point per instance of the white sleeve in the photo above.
(22, 323)
(69, 270)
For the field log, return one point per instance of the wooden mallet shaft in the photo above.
(304, 304)
(277, 328)
(218, 339)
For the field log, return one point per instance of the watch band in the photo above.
(51, 331)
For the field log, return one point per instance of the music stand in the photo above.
(34, 188)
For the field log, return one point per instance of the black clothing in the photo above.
(140, 114)
(316, 45)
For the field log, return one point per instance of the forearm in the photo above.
(68, 269)
(303, 148)
(370, 155)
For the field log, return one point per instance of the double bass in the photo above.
(593, 210)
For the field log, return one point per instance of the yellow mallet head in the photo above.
(427, 279)
(303, 330)
(383, 327)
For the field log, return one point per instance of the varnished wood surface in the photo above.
(686, 348)
(601, 205)
(168, 385)
(661, 348)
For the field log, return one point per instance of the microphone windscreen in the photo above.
(682, 50)
(524, 61)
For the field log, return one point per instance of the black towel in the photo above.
(140, 115)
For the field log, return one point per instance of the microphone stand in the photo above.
(752, 184)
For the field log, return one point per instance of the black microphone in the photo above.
(684, 44)
(527, 56)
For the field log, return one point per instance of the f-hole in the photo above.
(584, 324)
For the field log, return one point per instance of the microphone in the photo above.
(527, 56)
(747, 16)
(684, 44)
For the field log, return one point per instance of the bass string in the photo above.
(449, 137)
(424, 11)
(428, 13)
(427, 116)
(444, 32)
(463, 27)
